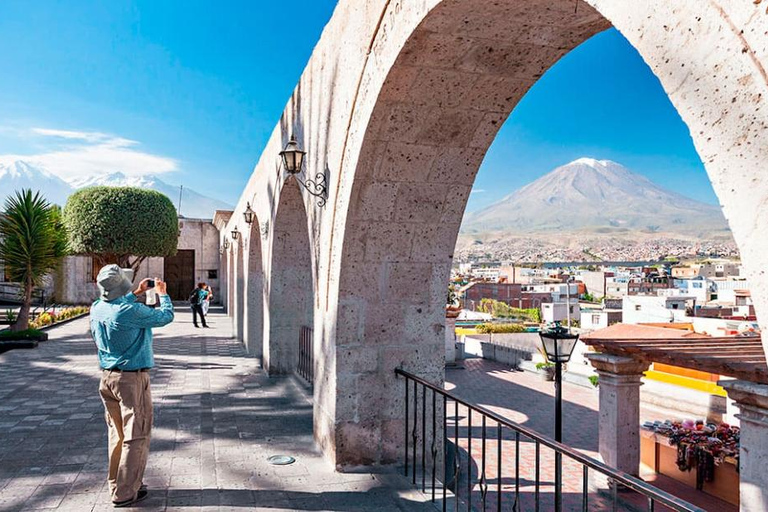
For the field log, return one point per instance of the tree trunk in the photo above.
(22, 322)
(136, 264)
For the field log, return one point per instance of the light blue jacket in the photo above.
(122, 329)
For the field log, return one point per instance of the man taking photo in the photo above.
(122, 329)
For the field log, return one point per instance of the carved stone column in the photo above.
(619, 420)
(450, 340)
(752, 400)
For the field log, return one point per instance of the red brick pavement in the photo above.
(525, 398)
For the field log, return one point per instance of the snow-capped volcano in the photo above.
(20, 174)
(597, 196)
(115, 179)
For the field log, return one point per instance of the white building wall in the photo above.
(74, 283)
(638, 309)
(558, 312)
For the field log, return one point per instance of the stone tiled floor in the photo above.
(217, 419)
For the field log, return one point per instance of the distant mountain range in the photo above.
(20, 174)
(596, 197)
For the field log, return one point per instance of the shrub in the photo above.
(32, 243)
(593, 379)
(500, 328)
(114, 224)
(543, 366)
(20, 335)
(501, 309)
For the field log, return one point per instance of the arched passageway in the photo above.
(222, 294)
(290, 282)
(400, 102)
(456, 79)
(231, 282)
(253, 311)
(238, 315)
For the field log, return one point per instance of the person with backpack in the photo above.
(196, 299)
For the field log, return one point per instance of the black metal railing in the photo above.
(456, 467)
(306, 367)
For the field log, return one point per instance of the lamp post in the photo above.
(558, 345)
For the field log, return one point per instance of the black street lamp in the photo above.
(293, 156)
(558, 345)
(249, 214)
(292, 159)
(235, 234)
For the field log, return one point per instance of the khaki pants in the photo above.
(128, 410)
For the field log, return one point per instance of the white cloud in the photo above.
(76, 154)
(477, 191)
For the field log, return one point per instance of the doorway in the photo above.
(179, 272)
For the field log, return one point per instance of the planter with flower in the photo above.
(452, 305)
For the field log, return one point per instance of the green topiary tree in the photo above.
(123, 225)
(32, 242)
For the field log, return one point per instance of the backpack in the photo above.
(194, 298)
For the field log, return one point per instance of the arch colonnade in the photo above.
(397, 107)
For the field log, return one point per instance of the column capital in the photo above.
(751, 397)
(617, 365)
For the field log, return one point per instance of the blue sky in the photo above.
(193, 93)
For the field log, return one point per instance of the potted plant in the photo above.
(546, 370)
(452, 304)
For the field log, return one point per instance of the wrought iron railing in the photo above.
(305, 366)
(427, 424)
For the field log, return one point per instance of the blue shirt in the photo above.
(122, 329)
(201, 295)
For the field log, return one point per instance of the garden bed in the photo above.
(23, 339)
(65, 321)
(30, 338)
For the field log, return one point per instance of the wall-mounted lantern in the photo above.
(235, 234)
(292, 159)
(226, 244)
(249, 214)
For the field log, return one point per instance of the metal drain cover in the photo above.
(281, 460)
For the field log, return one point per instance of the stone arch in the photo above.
(222, 294)
(450, 86)
(291, 286)
(253, 334)
(231, 282)
(238, 299)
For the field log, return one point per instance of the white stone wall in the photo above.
(398, 105)
(74, 282)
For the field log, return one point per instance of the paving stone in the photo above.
(217, 419)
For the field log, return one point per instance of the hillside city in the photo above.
(576, 248)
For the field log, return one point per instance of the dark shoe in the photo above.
(140, 496)
(197, 326)
(207, 326)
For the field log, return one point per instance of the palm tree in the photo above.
(32, 242)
